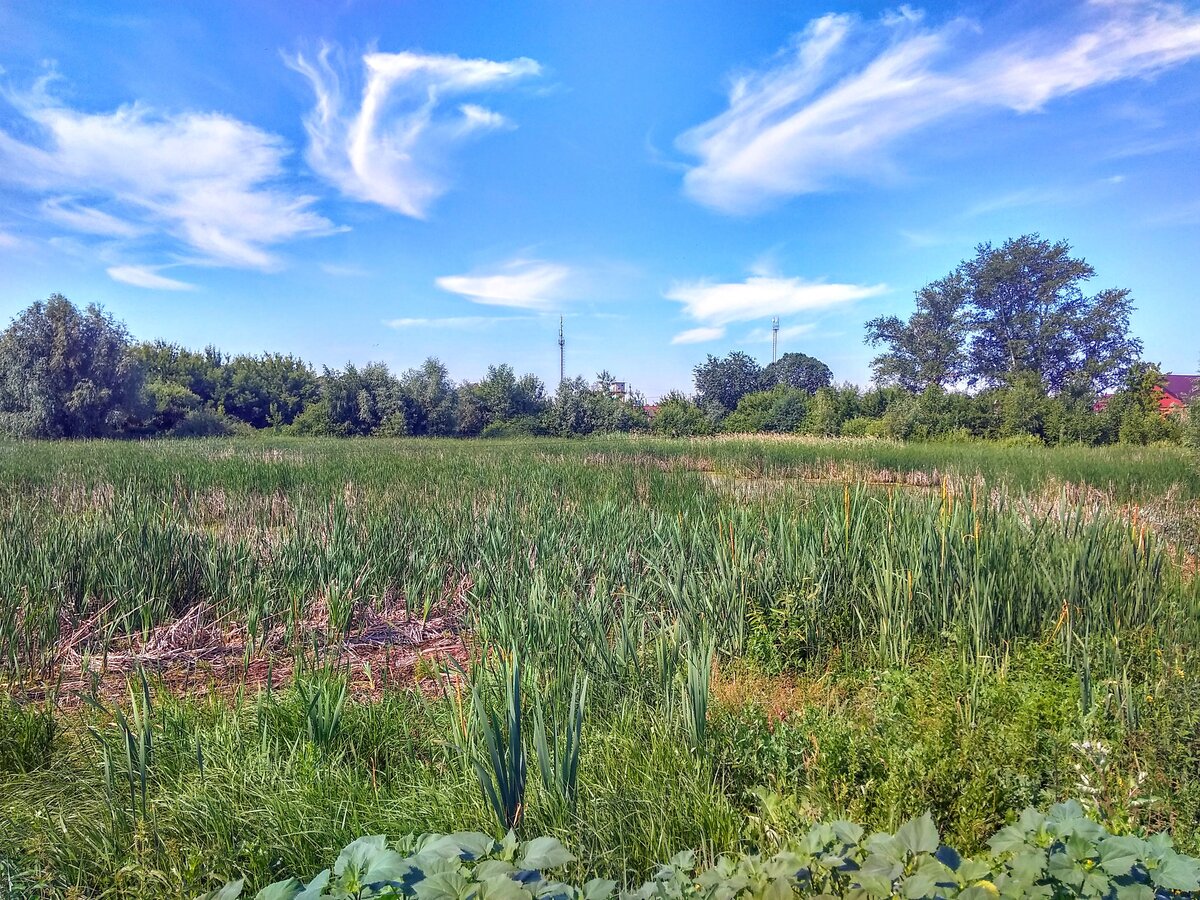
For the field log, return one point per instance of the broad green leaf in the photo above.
(385, 866)
(490, 868)
(281, 890)
(919, 835)
(1176, 873)
(981, 890)
(777, 889)
(878, 866)
(1068, 812)
(544, 853)
(918, 885)
(1007, 839)
(473, 843)
(357, 854)
(1096, 884)
(885, 845)
(230, 891)
(1029, 865)
(1030, 821)
(1120, 853)
(1062, 868)
(501, 887)
(316, 888)
(598, 889)
(683, 860)
(553, 890)
(444, 847)
(1135, 892)
(1158, 844)
(443, 886)
(972, 870)
(847, 832)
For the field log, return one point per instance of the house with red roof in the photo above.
(1177, 392)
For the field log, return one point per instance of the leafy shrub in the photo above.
(521, 426)
(208, 423)
(678, 417)
(1191, 425)
(953, 436)
(314, 420)
(1057, 854)
(860, 426)
(1021, 440)
(394, 425)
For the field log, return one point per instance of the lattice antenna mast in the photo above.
(562, 353)
(775, 339)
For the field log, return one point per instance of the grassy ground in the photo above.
(880, 649)
(1128, 473)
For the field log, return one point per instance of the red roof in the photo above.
(1181, 387)
(1176, 392)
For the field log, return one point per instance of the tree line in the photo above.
(1006, 346)
(67, 372)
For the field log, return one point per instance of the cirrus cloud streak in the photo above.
(718, 304)
(836, 103)
(391, 149)
(521, 284)
(209, 183)
(146, 277)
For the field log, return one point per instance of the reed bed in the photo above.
(627, 643)
(564, 559)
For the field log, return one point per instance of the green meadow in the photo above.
(229, 658)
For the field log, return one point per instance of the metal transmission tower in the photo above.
(775, 339)
(562, 353)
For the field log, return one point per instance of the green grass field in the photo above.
(231, 657)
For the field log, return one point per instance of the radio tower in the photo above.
(562, 353)
(775, 339)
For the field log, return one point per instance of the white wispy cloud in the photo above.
(698, 335)
(147, 277)
(343, 271)
(520, 283)
(786, 333)
(87, 220)
(717, 303)
(1038, 196)
(923, 239)
(835, 102)
(390, 145)
(453, 322)
(208, 181)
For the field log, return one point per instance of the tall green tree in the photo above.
(722, 382)
(1132, 415)
(433, 396)
(678, 416)
(499, 397)
(67, 373)
(927, 350)
(178, 381)
(1011, 310)
(266, 391)
(1029, 314)
(799, 371)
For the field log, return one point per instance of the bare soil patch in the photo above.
(383, 647)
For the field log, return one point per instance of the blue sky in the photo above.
(357, 181)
